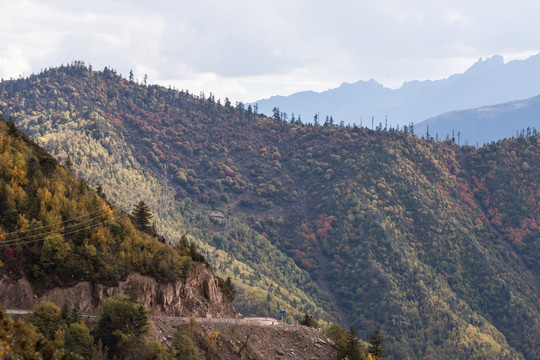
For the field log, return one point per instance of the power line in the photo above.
(68, 233)
(59, 223)
(53, 231)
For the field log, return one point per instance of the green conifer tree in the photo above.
(309, 320)
(142, 215)
(376, 345)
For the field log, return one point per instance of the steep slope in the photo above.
(486, 124)
(487, 82)
(56, 232)
(507, 188)
(377, 228)
(100, 120)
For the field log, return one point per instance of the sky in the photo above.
(252, 49)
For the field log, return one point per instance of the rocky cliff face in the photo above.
(198, 294)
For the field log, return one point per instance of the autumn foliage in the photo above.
(435, 244)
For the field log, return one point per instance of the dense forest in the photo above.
(435, 244)
(57, 231)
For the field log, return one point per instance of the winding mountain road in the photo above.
(178, 320)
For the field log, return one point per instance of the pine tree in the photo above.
(69, 164)
(142, 215)
(227, 288)
(376, 345)
(12, 129)
(309, 320)
(353, 348)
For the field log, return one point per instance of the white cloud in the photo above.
(13, 61)
(248, 50)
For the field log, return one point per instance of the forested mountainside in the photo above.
(56, 231)
(434, 243)
(65, 250)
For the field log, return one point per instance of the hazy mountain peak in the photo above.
(488, 81)
(488, 64)
(371, 83)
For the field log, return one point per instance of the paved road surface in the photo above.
(176, 321)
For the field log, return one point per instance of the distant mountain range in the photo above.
(487, 82)
(485, 124)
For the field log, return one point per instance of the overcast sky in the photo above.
(250, 49)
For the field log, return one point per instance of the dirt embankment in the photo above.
(249, 342)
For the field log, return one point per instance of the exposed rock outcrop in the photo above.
(197, 294)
